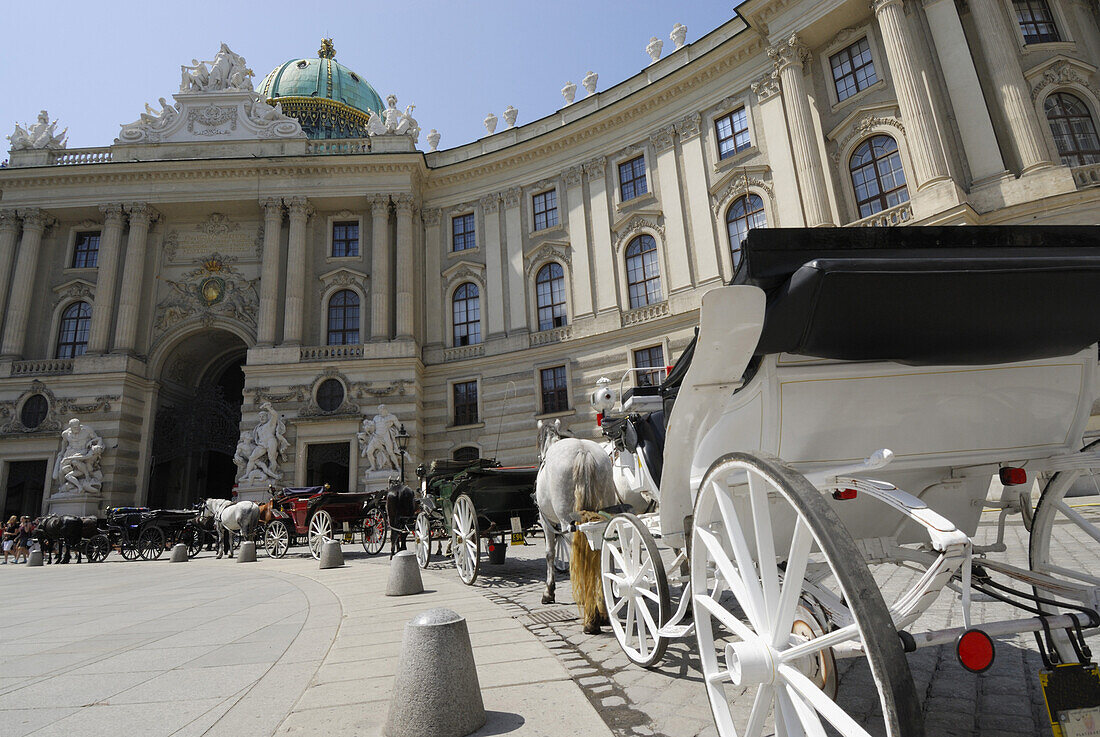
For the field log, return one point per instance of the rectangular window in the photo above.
(465, 398)
(462, 232)
(632, 179)
(86, 251)
(1036, 21)
(733, 133)
(653, 358)
(555, 390)
(546, 209)
(853, 69)
(345, 239)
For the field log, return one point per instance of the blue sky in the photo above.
(94, 65)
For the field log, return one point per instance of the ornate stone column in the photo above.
(999, 47)
(925, 145)
(677, 257)
(270, 272)
(406, 265)
(294, 312)
(578, 242)
(35, 222)
(380, 268)
(103, 307)
(133, 272)
(9, 232)
(789, 57)
(492, 298)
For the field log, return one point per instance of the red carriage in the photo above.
(317, 513)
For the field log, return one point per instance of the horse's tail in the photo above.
(593, 490)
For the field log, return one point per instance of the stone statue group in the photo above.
(42, 134)
(393, 122)
(77, 466)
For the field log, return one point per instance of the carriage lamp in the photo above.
(403, 445)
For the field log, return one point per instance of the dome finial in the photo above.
(327, 50)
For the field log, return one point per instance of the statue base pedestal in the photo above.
(253, 493)
(378, 480)
(76, 503)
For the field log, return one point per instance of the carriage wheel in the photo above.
(466, 543)
(276, 539)
(373, 534)
(1054, 513)
(98, 548)
(195, 539)
(635, 589)
(320, 529)
(423, 534)
(746, 601)
(128, 546)
(150, 543)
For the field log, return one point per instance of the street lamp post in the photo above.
(403, 439)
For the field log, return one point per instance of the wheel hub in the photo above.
(750, 663)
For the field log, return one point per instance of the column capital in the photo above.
(766, 86)
(594, 168)
(272, 206)
(379, 203)
(9, 220)
(490, 203)
(689, 126)
(36, 219)
(788, 53)
(298, 207)
(404, 203)
(573, 175)
(430, 216)
(112, 213)
(142, 210)
(879, 5)
(661, 139)
(511, 197)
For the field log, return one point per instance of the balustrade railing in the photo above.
(554, 335)
(645, 314)
(339, 146)
(896, 215)
(67, 156)
(1087, 176)
(463, 351)
(330, 352)
(42, 367)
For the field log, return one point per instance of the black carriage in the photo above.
(472, 501)
(140, 532)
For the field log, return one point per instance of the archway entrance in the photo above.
(197, 421)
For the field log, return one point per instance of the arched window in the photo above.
(643, 274)
(745, 213)
(466, 454)
(877, 176)
(72, 337)
(467, 315)
(550, 294)
(343, 318)
(1073, 128)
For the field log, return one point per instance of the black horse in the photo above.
(400, 515)
(63, 533)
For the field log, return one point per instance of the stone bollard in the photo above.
(436, 691)
(35, 558)
(404, 575)
(247, 553)
(332, 555)
(179, 553)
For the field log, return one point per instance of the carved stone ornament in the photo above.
(638, 224)
(788, 53)
(261, 450)
(662, 138)
(214, 289)
(866, 125)
(490, 203)
(559, 252)
(364, 389)
(15, 424)
(1061, 73)
(573, 176)
(594, 168)
(766, 87)
(75, 289)
(215, 102)
(294, 394)
(77, 467)
(312, 409)
(430, 216)
(343, 277)
(464, 271)
(378, 441)
(394, 122)
(689, 126)
(511, 197)
(40, 134)
(216, 233)
(741, 185)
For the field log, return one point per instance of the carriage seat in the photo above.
(641, 433)
(927, 296)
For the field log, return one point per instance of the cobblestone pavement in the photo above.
(670, 699)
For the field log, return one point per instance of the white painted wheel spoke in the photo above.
(807, 717)
(797, 560)
(647, 615)
(630, 616)
(761, 707)
(726, 618)
(765, 543)
(816, 645)
(735, 582)
(821, 703)
(648, 593)
(754, 607)
(1078, 519)
(617, 555)
(618, 606)
(787, 721)
(617, 579)
(722, 676)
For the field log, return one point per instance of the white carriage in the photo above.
(851, 401)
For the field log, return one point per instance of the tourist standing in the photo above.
(23, 539)
(8, 536)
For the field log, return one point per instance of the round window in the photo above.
(34, 411)
(330, 395)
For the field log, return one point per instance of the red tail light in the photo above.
(1013, 476)
(844, 494)
(975, 651)
(599, 419)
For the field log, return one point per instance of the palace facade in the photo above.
(225, 254)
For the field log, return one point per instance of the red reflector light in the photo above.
(1013, 476)
(599, 419)
(843, 494)
(975, 651)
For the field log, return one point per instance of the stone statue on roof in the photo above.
(41, 134)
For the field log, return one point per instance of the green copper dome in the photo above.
(327, 98)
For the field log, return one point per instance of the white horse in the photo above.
(231, 517)
(575, 476)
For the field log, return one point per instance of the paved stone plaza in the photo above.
(280, 647)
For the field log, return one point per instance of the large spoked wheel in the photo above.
(195, 539)
(150, 543)
(423, 533)
(276, 539)
(635, 589)
(128, 546)
(320, 529)
(754, 647)
(374, 531)
(1058, 526)
(466, 543)
(98, 548)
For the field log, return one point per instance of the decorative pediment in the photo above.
(1060, 71)
(463, 270)
(74, 289)
(862, 122)
(739, 182)
(88, 224)
(549, 251)
(639, 223)
(344, 277)
(652, 214)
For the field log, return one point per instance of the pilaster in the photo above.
(776, 141)
(110, 243)
(9, 233)
(514, 281)
(603, 252)
(299, 210)
(578, 241)
(433, 250)
(35, 223)
(406, 265)
(677, 257)
(270, 272)
(133, 276)
(492, 300)
(380, 268)
(702, 241)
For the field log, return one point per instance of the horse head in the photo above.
(548, 434)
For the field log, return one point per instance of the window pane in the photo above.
(465, 403)
(554, 389)
(650, 358)
(853, 69)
